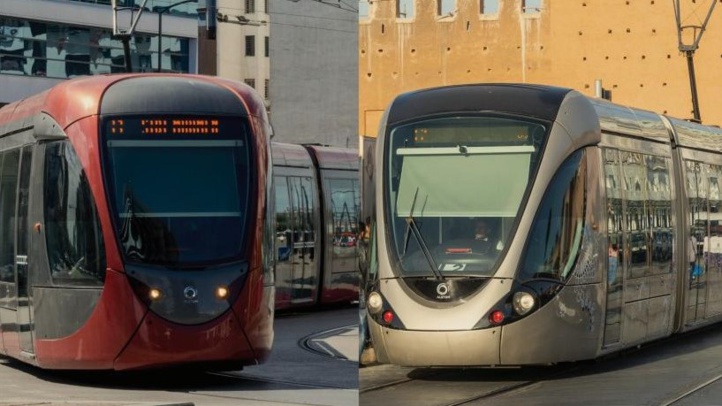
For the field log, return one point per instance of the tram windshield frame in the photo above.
(179, 197)
(456, 186)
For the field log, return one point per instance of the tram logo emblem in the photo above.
(442, 290)
(190, 293)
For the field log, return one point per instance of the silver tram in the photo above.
(525, 224)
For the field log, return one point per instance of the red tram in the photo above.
(133, 225)
(317, 200)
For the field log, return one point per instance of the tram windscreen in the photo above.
(179, 188)
(456, 186)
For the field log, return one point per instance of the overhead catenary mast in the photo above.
(688, 37)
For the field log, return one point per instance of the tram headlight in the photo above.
(154, 294)
(523, 302)
(374, 303)
(222, 292)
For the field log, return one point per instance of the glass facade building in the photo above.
(57, 50)
(43, 42)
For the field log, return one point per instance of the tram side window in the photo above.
(269, 242)
(713, 243)
(8, 186)
(659, 195)
(284, 219)
(343, 201)
(304, 234)
(703, 194)
(634, 176)
(76, 252)
(556, 234)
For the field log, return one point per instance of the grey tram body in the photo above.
(585, 318)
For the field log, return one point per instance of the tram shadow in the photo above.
(179, 379)
(681, 352)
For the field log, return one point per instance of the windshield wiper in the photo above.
(412, 227)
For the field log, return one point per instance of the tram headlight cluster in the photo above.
(517, 305)
(523, 302)
(374, 303)
(381, 311)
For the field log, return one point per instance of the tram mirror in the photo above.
(46, 128)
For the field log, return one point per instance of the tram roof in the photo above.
(327, 157)
(498, 97)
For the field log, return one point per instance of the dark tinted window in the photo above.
(179, 200)
(556, 234)
(76, 252)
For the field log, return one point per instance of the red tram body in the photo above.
(317, 199)
(133, 224)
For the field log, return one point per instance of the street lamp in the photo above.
(162, 11)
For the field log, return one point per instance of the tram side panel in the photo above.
(80, 294)
(573, 312)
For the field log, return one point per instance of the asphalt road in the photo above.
(312, 363)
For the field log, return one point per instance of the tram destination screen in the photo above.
(475, 130)
(172, 127)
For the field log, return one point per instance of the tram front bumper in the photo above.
(436, 348)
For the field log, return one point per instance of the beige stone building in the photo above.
(630, 45)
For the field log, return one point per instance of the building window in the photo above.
(250, 82)
(489, 6)
(62, 51)
(250, 6)
(267, 50)
(266, 89)
(404, 8)
(445, 7)
(250, 45)
(531, 6)
(265, 6)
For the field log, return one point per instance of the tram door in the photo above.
(341, 208)
(616, 248)
(296, 224)
(640, 281)
(24, 314)
(702, 241)
(9, 295)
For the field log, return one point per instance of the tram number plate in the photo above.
(452, 267)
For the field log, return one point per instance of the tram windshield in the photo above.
(456, 188)
(179, 189)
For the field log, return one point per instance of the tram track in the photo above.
(287, 382)
(316, 342)
(500, 387)
(689, 391)
(680, 370)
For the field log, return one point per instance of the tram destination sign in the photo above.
(163, 126)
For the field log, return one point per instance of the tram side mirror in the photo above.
(45, 128)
